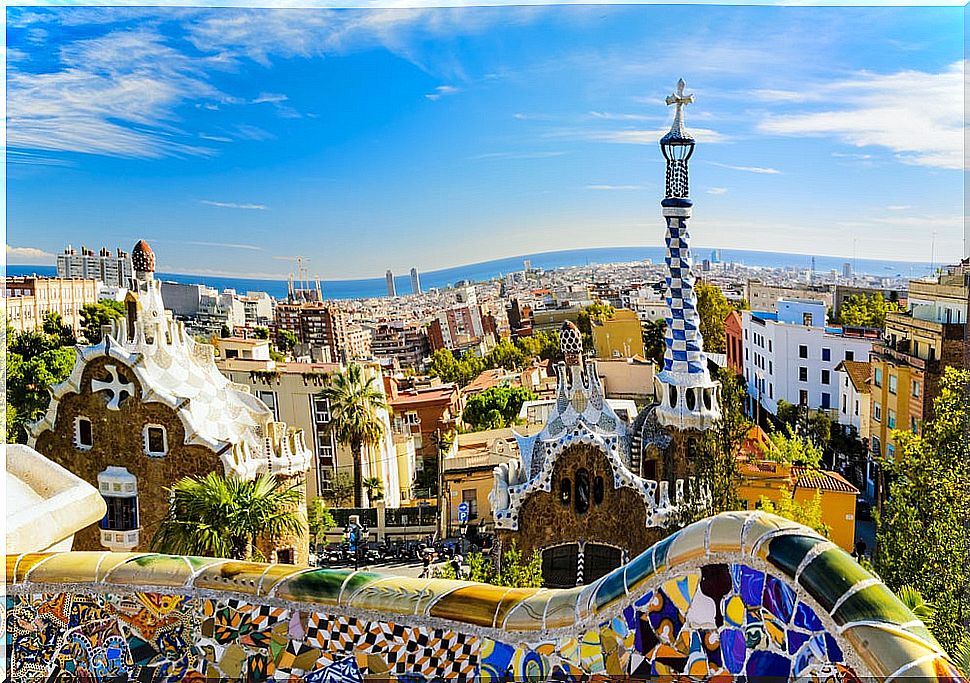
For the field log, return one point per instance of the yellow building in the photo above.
(29, 299)
(838, 496)
(619, 336)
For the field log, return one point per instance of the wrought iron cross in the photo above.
(679, 99)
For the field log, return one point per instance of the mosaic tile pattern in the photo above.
(740, 594)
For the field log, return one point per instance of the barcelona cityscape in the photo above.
(510, 343)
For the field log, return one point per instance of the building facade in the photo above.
(318, 325)
(415, 281)
(146, 407)
(113, 269)
(734, 342)
(29, 299)
(618, 337)
(403, 342)
(391, 289)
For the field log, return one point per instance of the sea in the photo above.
(550, 260)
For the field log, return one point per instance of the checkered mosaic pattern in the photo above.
(685, 346)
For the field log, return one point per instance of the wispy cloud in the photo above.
(441, 91)
(226, 245)
(898, 207)
(611, 116)
(268, 97)
(215, 138)
(28, 255)
(516, 155)
(638, 137)
(749, 169)
(614, 187)
(851, 155)
(234, 205)
(522, 116)
(717, 190)
(16, 156)
(916, 114)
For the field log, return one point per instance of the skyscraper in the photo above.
(415, 282)
(113, 269)
(391, 291)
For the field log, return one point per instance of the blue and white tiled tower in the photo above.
(689, 398)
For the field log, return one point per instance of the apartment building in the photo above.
(111, 268)
(29, 299)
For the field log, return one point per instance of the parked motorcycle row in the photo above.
(340, 554)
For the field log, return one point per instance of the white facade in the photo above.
(113, 269)
(853, 405)
(795, 362)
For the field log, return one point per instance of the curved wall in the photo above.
(740, 593)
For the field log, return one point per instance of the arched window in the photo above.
(565, 492)
(598, 490)
(581, 498)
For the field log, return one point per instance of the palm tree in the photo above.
(220, 516)
(354, 404)
(913, 599)
(375, 488)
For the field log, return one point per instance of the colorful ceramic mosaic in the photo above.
(740, 594)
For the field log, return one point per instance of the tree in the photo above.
(220, 516)
(815, 426)
(286, 341)
(807, 512)
(261, 333)
(495, 407)
(55, 327)
(920, 528)
(654, 342)
(860, 310)
(543, 344)
(94, 316)
(341, 490)
(718, 449)
(225, 332)
(713, 308)
(375, 488)
(461, 371)
(516, 572)
(506, 355)
(793, 449)
(354, 404)
(319, 520)
(917, 604)
(29, 381)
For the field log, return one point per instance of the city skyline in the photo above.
(242, 138)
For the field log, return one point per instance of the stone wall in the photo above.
(740, 594)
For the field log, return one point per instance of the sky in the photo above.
(236, 139)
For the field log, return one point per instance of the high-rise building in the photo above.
(318, 325)
(389, 276)
(415, 282)
(113, 270)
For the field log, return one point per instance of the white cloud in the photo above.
(234, 205)
(749, 169)
(269, 97)
(717, 190)
(644, 137)
(915, 114)
(28, 255)
(614, 187)
(441, 91)
(610, 116)
(851, 155)
(898, 207)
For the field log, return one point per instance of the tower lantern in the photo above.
(677, 145)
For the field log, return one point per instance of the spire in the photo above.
(677, 146)
(143, 258)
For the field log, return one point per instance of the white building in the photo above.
(853, 378)
(792, 355)
(113, 269)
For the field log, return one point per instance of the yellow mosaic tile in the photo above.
(240, 577)
(759, 525)
(474, 604)
(884, 651)
(537, 602)
(75, 567)
(561, 610)
(725, 534)
(434, 589)
(151, 570)
(11, 567)
(394, 594)
(585, 602)
(24, 563)
(110, 560)
(688, 544)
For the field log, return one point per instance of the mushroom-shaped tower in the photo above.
(688, 396)
(143, 258)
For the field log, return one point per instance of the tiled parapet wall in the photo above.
(740, 593)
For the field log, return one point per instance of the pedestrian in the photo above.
(427, 559)
(456, 565)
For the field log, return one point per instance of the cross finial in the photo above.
(679, 98)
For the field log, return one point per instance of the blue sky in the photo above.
(235, 139)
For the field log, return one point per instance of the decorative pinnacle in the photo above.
(680, 100)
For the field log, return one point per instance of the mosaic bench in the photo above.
(739, 594)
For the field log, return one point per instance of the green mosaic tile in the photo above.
(321, 586)
(356, 581)
(830, 575)
(885, 651)
(152, 570)
(660, 550)
(242, 577)
(873, 603)
(787, 552)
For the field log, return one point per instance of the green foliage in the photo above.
(341, 490)
(29, 380)
(794, 449)
(808, 512)
(225, 332)
(654, 343)
(713, 308)
(860, 310)
(319, 520)
(717, 450)
(920, 528)
(506, 355)
(917, 604)
(55, 327)
(375, 489)
(261, 333)
(93, 316)
(495, 407)
(461, 371)
(220, 516)
(286, 341)
(354, 404)
(960, 652)
(817, 427)
(741, 305)
(516, 571)
(543, 344)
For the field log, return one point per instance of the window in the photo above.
(845, 404)
(826, 401)
(771, 368)
(769, 345)
(122, 514)
(877, 377)
(913, 425)
(849, 355)
(581, 499)
(802, 351)
(156, 440)
(875, 446)
(771, 390)
(893, 383)
(891, 419)
(803, 374)
(877, 412)
(826, 377)
(802, 397)
(916, 388)
(412, 418)
(826, 354)
(269, 398)
(746, 354)
(83, 438)
(470, 496)
(807, 319)
(857, 407)
(890, 451)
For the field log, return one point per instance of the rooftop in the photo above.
(858, 372)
